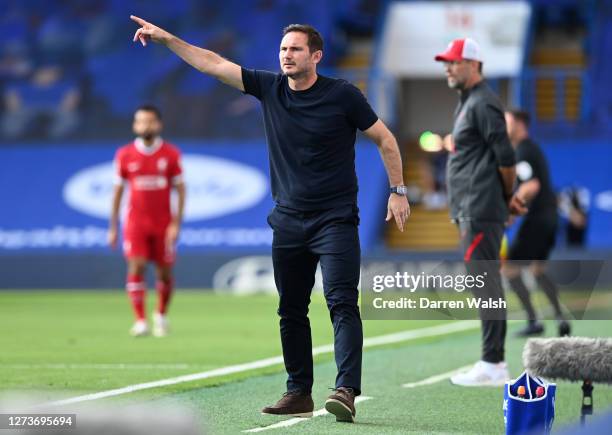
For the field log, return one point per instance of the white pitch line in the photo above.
(296, 420)
(100, 366)
(436, 378)
(413, 334)
(171, 381)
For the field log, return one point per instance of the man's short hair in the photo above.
(152, 109)
(521, 116)
(315, 41)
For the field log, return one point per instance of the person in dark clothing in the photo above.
(536, 235)
(480, 178)
(574, 207)
(311, 123)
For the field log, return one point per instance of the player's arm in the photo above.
(201, 59)
(398, 206)
(174, 228)
(114, 218)
(181, 191)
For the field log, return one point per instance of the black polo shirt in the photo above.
(531, 164)
(311, 138)
(475, 187)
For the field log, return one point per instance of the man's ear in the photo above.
(317, 56)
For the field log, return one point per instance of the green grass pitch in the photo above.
(59, 344)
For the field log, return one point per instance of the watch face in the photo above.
(400, 190)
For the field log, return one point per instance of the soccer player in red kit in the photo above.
(151, 167)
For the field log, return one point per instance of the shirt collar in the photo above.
(466, 93)
(148, 150)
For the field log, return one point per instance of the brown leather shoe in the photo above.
(293, 403)
(342, 404)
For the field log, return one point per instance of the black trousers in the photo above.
(535, 238)
(480, 244)
(302, 240)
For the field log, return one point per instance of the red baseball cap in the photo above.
(461, 49)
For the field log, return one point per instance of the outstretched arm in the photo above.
(201, 59)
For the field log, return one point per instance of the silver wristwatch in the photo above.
(399, 190)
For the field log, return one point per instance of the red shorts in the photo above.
(150, 243)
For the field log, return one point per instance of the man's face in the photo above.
(458, 73)
(295, 58)
(146, 125)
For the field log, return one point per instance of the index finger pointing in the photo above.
(138, 20)
(399, 221)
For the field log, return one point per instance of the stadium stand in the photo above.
(88, 41)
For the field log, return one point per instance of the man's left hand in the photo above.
(399, 209)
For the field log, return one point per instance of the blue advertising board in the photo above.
(58, 199)
(585, 165)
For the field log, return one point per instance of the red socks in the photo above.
(164, 291)
(136, 290)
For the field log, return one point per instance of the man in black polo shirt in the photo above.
(310, 123)
(536, 235)
(480, 177)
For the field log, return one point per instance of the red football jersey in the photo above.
(150, 172)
